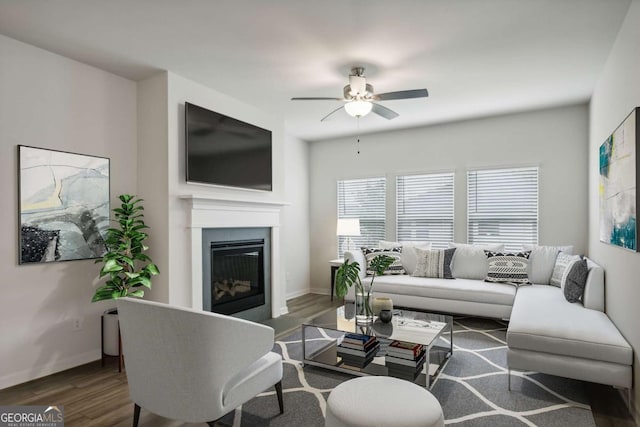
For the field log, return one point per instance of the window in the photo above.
(503, 207)
(424, 208)
(363, 199)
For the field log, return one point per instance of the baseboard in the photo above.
(320, 291)
(297, 294)
(284, 310)
(48, 369)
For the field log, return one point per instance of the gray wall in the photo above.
(49, 101)
(615, 95)
(555, 140)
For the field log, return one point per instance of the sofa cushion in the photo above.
(409, 256)
(459, 289)
(542, 320)
(470, 262)
(576, 281)
(434, 263)
(561, 268)
(542, 261)
(395, 253)
(508, 267)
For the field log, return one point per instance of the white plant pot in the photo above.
(110, 332)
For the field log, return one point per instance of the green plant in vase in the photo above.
(128, 268)
(349, 275)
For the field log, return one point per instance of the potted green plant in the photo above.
(349, 275)
(125, 265)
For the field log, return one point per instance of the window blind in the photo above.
(363, 199)
(424, 208)
(502, 207)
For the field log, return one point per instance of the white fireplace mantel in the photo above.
(217, 212)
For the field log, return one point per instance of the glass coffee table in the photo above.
(322, 338)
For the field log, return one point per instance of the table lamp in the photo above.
(348, 227)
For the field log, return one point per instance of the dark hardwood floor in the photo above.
(97, 396)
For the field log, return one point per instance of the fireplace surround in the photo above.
(209, 212)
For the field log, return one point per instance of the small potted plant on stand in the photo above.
(125, 265)
(349, 274)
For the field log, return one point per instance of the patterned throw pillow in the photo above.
(576, 280)
(395, 253)
(508, 267)
(434, 263)
(561, 268)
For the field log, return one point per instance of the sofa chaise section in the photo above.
(550, 335)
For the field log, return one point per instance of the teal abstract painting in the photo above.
(618, 181)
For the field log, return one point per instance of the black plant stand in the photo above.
(105, 356)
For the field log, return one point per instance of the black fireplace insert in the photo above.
(237, 275)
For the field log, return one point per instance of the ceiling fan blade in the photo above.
(317, 99)
(384, 111)
(334, 111)
(402, 94)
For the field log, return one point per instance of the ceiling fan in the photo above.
(359, 97)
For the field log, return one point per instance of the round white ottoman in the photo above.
(382, 402)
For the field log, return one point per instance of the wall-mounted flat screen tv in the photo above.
(225, 151)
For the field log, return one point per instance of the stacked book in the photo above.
(405, 360)
(358, 349)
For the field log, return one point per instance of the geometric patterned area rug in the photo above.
(472, 387)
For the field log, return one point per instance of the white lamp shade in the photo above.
(358, 108)
(348, 227)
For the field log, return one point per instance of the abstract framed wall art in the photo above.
(64, 205)
(619, 183)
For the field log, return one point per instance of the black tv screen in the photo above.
(225, 151)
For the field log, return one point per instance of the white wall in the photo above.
(555, 140)
(616, 94)
(49, 101)
(296, 217)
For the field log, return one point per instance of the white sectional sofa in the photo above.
(546, 333)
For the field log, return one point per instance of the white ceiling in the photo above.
(476, 57)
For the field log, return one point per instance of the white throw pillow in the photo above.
(470, 262)
(561, 268)
(409, 256)
(542, 261)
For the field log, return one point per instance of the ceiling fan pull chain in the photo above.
(358, 143)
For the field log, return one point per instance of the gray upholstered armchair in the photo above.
(194, 366)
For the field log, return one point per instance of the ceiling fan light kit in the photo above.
(358, 108)
(359, 97)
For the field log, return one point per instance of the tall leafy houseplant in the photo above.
(127, 268)
(349, 275)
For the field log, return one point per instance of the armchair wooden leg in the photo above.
(278, 387)
(136, 414)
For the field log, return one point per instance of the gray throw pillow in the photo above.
(576, 281)
(434, 263)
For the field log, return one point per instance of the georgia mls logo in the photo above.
(53, 408)
(32, 416)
